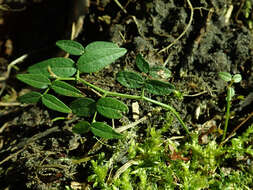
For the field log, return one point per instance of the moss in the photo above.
(163, 164)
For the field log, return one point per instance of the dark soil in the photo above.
(34, 152)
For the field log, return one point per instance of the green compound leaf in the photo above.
(237, 78)
(83, 107)
(81, 127)
(142, 64)
(111, 108)
(105, 131)
(30, 97)
(35, 80)
(158, 87)
(98, 55)
(60, 66)
(55, 104)
(160, 72)
(130, 79)
(65, 89)
(71, 47)
(225, 76)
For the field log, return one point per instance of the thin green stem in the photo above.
(229, 98)
(142, 97)
(58, 118)
(46, 91)
(92, 86)
(94, 117)
(168, 107)
(66, 78)
(77, 75)
(108, 93)
(142, 92)
(227, 118)
(124, 95)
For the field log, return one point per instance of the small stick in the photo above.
(8, 104)
(11, 156)
(194, 95)
(120, 6)
(123, 168)
(12, 64)
(125, 127)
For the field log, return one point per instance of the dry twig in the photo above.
(183, 33)
(11, 65)
(235, 129)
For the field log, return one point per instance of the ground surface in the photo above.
(214, 41)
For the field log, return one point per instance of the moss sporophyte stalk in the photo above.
(51, 74)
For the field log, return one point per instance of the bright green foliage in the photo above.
(65, 89)
(71, 47)
(98, 55)
(124, 182)
(55, 104)
(247, 12)
(83, 107)
(111, 108)
(35, 80)
(30, 97)
(241, 145)
(100, 172)
(103, 130)
(59, 66)
(247, 8)
(152, 171)
(208, 156)
(161, 164)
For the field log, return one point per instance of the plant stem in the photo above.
(168, 107)
(227, 118)
(46, 91)
(63, 78)
(94, 117)
(108, 93)
(142, 97)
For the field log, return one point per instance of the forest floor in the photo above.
(194, 40)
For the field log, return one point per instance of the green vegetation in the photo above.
(247, 13)
(158, 162)
(230, 93)
(51, 74)
(153, 160)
